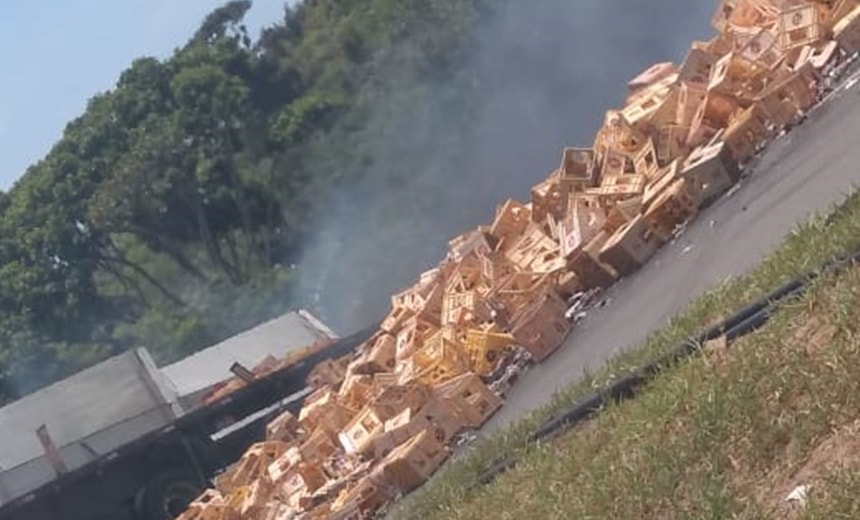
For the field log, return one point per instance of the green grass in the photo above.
(666, 454)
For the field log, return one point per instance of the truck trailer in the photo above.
(125, 440)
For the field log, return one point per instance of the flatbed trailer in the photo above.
(155, 476)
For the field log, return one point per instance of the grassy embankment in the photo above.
(726, 434)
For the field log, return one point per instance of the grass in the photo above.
(696, 441)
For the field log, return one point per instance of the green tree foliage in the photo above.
(169, 213)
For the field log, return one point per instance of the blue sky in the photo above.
(58, 53)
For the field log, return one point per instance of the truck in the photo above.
(126, 440)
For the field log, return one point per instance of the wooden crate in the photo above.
(535, 250)
(276, 510)
(614, 220)
(439, 364)
(630, 247)
(800, 26)
(461, 308)
(478, 241)
(653, 74)
(629, 208)
(645, 162)
(446, 417)
(641, 111)
(394, 320)
(484, 349)
(673, 206)
(548, 198)
(838, 10)
(720, 20)
(397, 398)
(412, 463)
(736, 76)
(718, 45)
(495, 267)
(511, 220)
(763, 49)
(467, 275)
(671, 142)
(255, 498)
(690, 98)
(668, 175)
(377, 355)
(713, 115)
(300, 482)
(617, 133)
(590, 271)
(746, 133)
(412, 335)
(582, 222)
(329, 372)
(541, 327)
(784, 101)
(356, 390)
(396, 431)
(425, 297)
(617, 188)
(516, 291)
(359, 500)
(314, 406)
(318, 446)
(752, 13)
(473, 400)
(357, 436)
(846, 31)
(578, 169)
(615, 164)
(696, 69)
(254, 462)
(711, 169)
(284, 428)
(667, 111)
(209, 506)
(567, 283)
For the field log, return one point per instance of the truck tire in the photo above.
(167, 495)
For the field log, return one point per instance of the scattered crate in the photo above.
(380, 422)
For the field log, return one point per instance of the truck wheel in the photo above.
(167, 495)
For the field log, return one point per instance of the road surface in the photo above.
(807, 170)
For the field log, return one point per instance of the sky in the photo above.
(58, 53)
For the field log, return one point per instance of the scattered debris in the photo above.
(798, 495)
(734, 189)
(507, 294)
(466, 439)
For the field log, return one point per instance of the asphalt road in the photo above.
(807, 170)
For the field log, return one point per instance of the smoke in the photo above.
(540, 77)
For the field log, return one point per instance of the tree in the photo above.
(171, 210)
(218, 22)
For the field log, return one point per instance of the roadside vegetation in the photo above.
(727, 434)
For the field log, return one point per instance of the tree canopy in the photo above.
(172, 212)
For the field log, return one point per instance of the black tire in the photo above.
(167, 495)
